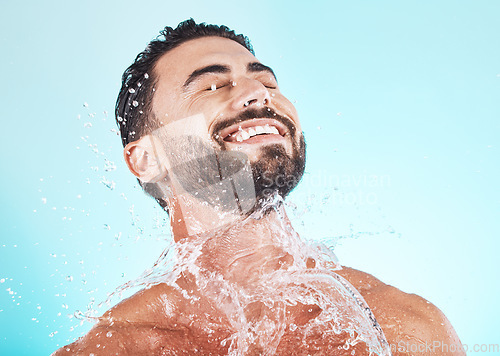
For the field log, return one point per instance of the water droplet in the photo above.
(293, 327)
(131, 90)
(85, 105)
(69, 278)
(108, 183)
(87, 125)
(146, 75)
(109, 165)
(135, 103)
(213, 87)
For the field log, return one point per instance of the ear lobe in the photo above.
(144, 161)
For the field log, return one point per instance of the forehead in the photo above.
(176, 65)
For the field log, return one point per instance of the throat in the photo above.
(247, 251)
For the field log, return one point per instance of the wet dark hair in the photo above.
(134, 103)
(133, 106)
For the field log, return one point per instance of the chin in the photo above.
(276, 171)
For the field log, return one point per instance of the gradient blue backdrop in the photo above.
(399, 101)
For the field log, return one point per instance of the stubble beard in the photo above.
(200, 170)
(276, 172)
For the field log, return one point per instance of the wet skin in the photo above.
(157, 321)
(160, 320)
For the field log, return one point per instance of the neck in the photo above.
(246, 248)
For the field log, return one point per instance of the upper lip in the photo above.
(225, 132)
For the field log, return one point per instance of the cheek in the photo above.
(287, 108)
(211, 106)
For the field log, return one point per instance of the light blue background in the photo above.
(403, 91)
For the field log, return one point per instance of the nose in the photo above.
(249, 92)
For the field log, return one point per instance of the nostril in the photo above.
(247, 103)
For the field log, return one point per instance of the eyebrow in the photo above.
(215, 68)
(259, 67)
(253, 67)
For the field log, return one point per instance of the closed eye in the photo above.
(214, 87)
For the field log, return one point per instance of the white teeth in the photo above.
(259, 129)
(244, 134)
(252, 132)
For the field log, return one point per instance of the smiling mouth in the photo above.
(253, 131)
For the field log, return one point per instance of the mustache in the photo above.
(265, 112)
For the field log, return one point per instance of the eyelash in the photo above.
(213, 87)
(225, 85)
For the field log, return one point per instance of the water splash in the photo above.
(295, 295)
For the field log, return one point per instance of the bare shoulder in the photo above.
(143, 306)
(135, 318)
(411, 324)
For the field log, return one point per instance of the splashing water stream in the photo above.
(293, 298)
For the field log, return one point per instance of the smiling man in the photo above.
(209, 135)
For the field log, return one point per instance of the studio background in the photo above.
(399, 105)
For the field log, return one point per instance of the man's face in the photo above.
(238, 98)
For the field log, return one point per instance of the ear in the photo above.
(144, 159)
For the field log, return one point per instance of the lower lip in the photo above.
(259, 139)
